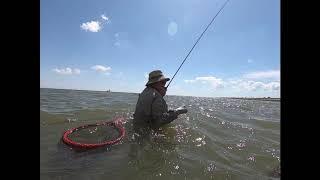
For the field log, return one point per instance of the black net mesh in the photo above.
(94, 134)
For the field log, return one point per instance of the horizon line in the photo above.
(249, 97)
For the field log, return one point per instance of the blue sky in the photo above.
(114, 44)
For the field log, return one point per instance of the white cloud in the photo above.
(102, 69)
(189, 81)
(172, 28)
(67, 71)
(272, 74)
(93, 26)
(146, 75)
(177, 90)
(254, 85)
(212, 81)
(241, 85)
(273, 86)
(76, 71)
(104, 17)
(249, 85)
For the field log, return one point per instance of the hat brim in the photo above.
(157, 80)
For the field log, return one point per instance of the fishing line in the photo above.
(198, 40)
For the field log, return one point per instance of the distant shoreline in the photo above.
(90, 90)
(259, 99)
(244, 98)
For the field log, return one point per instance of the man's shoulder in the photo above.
(149, 92)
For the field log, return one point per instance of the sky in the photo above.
(115, 44)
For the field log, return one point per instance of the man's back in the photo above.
(145, 110)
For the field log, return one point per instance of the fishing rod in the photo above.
(198, 41)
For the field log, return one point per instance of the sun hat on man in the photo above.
(156, 76)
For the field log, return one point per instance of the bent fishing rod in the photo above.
(198, 41)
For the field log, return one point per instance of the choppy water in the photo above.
(219, 138)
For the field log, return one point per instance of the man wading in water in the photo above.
(151, 109)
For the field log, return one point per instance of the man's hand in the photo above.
(181, 110)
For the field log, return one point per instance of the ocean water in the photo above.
(219, 138)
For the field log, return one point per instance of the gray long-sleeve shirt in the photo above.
(152, 110)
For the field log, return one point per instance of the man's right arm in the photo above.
(160, 115)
